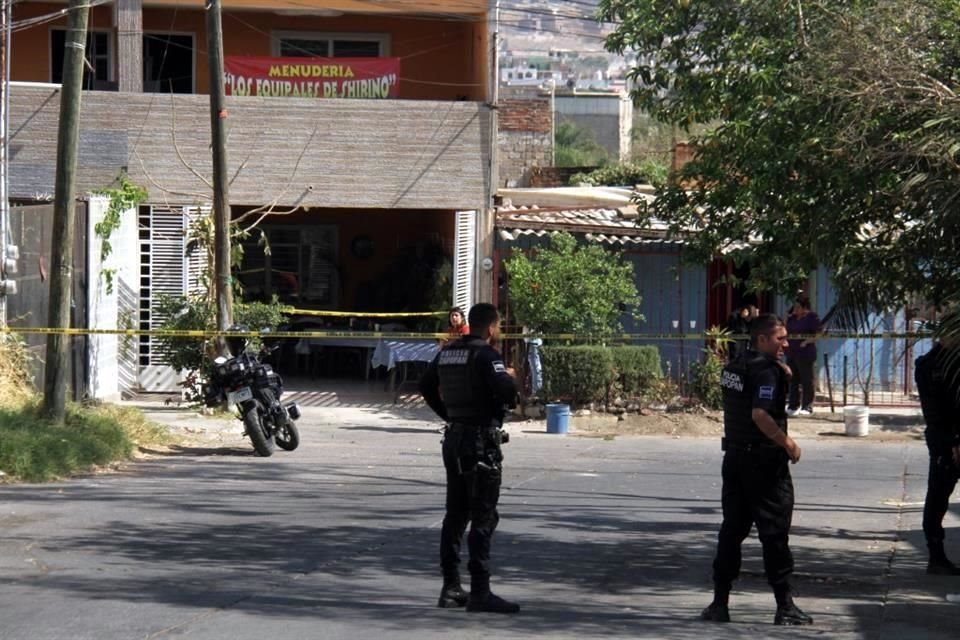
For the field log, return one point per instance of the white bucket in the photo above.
(856, 419)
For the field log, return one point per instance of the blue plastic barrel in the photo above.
(558, 418)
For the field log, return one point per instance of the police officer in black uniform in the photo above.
(757, 488)
(468, 386)
(938, 382)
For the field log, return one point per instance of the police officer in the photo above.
(938, 382)
(757, 488)
(468, 386)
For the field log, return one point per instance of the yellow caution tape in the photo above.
(618, 337)
(363, 314)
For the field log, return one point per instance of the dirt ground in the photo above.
(883, 427)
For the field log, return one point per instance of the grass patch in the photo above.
(33, 449)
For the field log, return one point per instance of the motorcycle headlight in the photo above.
(221, 370)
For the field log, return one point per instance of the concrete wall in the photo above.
(378, 154)
(525, 138)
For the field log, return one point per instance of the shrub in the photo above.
(705, 380)
(626, 174)
(584, 374)
(566, 288)
(578, 374)
(637, 368)
(197, 313)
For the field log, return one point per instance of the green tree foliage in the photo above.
(575, 147)
(625, 174)
(836, 140)
(565, 288)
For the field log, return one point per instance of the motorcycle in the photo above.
(254, 388)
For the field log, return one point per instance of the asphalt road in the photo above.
(598, 538)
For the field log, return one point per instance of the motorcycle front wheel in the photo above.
(288, 436)
(262, 439)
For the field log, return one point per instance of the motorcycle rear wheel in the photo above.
(263, 442)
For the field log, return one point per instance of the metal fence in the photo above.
(869, 369)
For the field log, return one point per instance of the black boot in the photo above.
(490, 603)
(790, 615)
(939, 564)
(716, 612)
(452, 595)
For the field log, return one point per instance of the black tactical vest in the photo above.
(459, 387)
(737, 381)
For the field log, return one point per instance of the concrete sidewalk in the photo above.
(598, 538)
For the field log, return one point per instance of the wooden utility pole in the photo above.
(221, 196)
(57, 370)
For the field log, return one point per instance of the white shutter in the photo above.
(162, 272)
(464, 259)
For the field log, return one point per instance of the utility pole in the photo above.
(5, 287)
(221, 197)
(57, 367)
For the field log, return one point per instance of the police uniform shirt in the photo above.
(483, 392)
(937, 375)
(752, 381)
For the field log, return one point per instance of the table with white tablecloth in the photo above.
(396, 355)
(389, 353)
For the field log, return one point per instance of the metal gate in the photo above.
(165, 270)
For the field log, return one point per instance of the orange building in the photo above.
(359, 193)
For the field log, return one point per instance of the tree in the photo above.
(569, 289)
(836, 141)
(575, 147)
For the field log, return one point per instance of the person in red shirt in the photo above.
(456, 323)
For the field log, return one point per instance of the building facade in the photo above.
(343, 179)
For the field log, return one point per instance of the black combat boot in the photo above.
(716, 612)
(790, 615)
(939, 564)
(452, 595)
(490, 603)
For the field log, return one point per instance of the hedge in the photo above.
(584, 374)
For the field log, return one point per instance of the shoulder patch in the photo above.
(765, 393)
(498, 367)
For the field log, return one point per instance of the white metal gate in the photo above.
(165, 270)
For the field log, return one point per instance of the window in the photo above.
(330, 45)
(299, 269)
(98, 74)
(168, 63)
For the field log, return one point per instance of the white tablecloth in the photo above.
(389, 352)
(304, 344)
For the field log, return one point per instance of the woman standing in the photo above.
(802, 356)
(456, 323)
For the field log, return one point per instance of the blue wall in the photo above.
(669, 291)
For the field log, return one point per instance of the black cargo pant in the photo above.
(941, 482)
(472, 458)
(757, 489)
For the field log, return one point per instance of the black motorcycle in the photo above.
(254, 388)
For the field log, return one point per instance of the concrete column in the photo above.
(129, 21)
(483, 282)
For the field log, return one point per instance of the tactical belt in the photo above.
(726, 444)
(475, 423)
